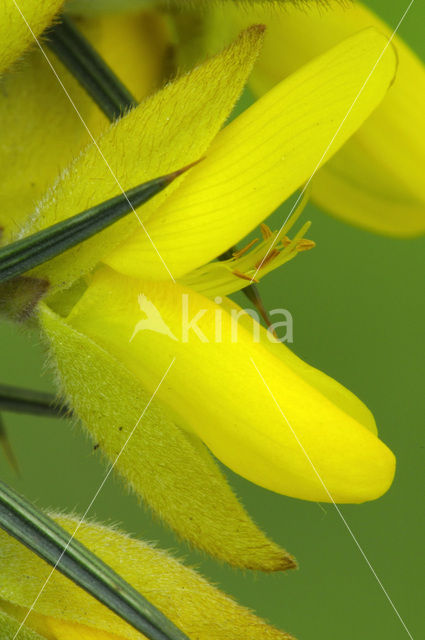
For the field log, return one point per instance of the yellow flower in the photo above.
(214, 394)
(66, 612)
(376, 180)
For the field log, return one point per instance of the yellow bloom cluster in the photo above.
(329, 96)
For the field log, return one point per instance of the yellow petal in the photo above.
(15, 34)
(31, 154)
(330, 388)
(62, 630)
(214, 389)
(136, 48)
(375, 181)
(169, 468)
(9, 627)
(167, 131)
(200, 610)
(257, 161)
(38, 627)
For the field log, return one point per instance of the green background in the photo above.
(358, 307)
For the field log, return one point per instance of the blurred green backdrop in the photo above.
(359, 309)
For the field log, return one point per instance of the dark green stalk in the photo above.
(47, 539)
(21, 256)
(91, 71)
(38, 403)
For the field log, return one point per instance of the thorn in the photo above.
(7, 448)
(253, 295)
(175, 174)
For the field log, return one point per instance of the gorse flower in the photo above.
(65, 612)
(161, 367)
(375, 181)
(213, 392)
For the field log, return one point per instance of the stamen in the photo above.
(305, 244)
(244, 276)
(264, 261)
(273, 250)
(265, 231)
(241, 252)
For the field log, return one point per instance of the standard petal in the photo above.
(19, 27)
(262, 157)
(214, 388)
(64, 611)
(167, 131)
(376, 180)
(171, 469)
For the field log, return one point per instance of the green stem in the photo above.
(41, 534)
(91, 71)
(38, 403)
